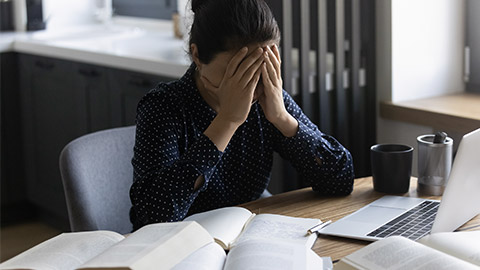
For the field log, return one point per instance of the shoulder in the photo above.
(164, 96)
(165, 100)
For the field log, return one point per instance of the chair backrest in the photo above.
(97, 174)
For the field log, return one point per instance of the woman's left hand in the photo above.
(272, 98)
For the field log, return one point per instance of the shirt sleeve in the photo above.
(164, 169)
(319, 158)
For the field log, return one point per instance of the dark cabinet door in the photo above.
(126, 90)
(54, 113)
(14, 203)
(92, 82)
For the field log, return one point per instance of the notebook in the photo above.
(415, 217)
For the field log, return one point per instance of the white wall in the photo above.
(59, 13)
(419, 54)
(64, 13)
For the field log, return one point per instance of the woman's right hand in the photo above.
(236, 90)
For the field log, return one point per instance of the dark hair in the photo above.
(223, 25)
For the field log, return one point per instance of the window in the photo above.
(154, 9)
(472, 57)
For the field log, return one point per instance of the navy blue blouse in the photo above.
(171, 152)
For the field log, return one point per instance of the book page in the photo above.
(400, 253)
(209, 257)
(274, 254)
(315, 262)
(223, 224)
(463, 245)
(284, 228)
(65, 251)
(163, 245)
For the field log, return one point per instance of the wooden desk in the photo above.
(306, 203)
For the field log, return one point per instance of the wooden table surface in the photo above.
(306, 203)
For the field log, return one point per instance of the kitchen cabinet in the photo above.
(14, 203)
(127, 88)
(92, 83)
(53, 113)
(62, 100)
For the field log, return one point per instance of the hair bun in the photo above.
(197, 4)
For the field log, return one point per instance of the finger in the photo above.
(235, 61)
(271, 71)
(250, 73)
(266, 78)
(279, 59)
(274, 58)
(256, 78)
(248, 61)
(252, 84)
(277, 53)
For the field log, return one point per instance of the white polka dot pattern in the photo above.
(171, 152)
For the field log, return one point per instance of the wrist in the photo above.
(227, 122)
(287, 125)
(220, 131)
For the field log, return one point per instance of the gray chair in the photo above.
(97, 174)
(265, 194)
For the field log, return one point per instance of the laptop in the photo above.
(415, 217)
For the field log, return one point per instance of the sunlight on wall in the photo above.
(428, 38)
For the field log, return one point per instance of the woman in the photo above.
(207, 140)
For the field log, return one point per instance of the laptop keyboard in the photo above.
(413, 224)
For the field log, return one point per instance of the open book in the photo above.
(254, 255)
(450, 250)
(155, 246)
(264, 241)
(232, 225)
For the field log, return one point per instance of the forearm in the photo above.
(320, 159)
(287, 125)
(335, 175)
(160, 196)
(337, 180)
(220, 132)
(165, 188)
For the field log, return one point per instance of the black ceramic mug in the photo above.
(391, 167)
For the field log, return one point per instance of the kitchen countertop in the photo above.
(142, 49)
(6, 41)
